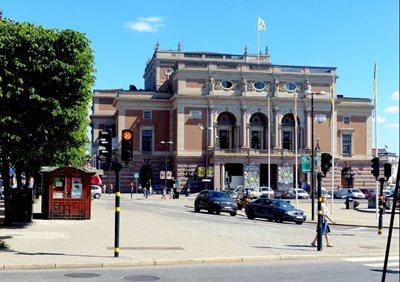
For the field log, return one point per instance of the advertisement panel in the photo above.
(252, 176)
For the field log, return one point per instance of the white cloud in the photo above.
(149, 24)
(395, 95)
(391, 110)
(393, 125)
(380, 119)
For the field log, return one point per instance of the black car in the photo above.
(274, 209)
(215, 201)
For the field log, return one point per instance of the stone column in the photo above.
(244, 127)
(277, 127)
(222, 176)
(308, 128)
(210, 127)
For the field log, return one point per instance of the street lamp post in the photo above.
(307, 92)
(166, 159)
(206, 156)
(319, 222)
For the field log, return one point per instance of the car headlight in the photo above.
(216, 203)
(291, 212)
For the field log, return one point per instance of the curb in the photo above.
(162, 262)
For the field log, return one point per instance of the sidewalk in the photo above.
(154, 239)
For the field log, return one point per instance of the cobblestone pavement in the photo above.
(153, 238)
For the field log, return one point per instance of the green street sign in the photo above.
(305, 163)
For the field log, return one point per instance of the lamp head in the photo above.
(308, 92)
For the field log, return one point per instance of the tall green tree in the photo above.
(46, 77)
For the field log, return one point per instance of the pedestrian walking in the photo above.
(150, 190)
(325, 226)
(164, 193)
(110, 191)
(104, 188)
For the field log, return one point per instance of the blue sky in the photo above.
(347, 34)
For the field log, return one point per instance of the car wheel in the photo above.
(299, 222)
(278, 218)
(210, 211)
(233, 213)
(217, 212)
(196, 208)
(250, 214)
(96, 196)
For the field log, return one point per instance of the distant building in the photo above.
(234, 117)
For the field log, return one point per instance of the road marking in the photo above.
(366, 259)
(381, 264)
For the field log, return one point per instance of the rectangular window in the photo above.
(195, 114)
(147, 114)
(287, 140)
(346, 120)
(147, 140)
(256, 139)
(346, 144)
(224, 139)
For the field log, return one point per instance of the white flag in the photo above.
(261, 24)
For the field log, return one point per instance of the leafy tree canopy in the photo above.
(46, 77)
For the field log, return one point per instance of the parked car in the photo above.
(243, 191)
(215, 201)
(368, 191)
(301, 194)
(349, 193)
(274, 209)
(157, 188)
(326, 194)
(266, 192)
(96, 191)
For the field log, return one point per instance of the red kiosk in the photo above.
(66, 192)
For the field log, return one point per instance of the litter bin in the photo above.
(372, 202)
(389, 202)
(349, 203)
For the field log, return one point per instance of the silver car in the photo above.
(96, 191)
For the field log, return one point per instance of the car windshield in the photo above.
(216, 194)
(300, 191)
(283, 204)
(356, 190)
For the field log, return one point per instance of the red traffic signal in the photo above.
(127, 145)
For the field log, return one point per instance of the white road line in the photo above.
(366, 259)
(380, 265)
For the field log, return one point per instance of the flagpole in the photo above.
(333, 124)
(258, 46)
(295, 149)
(376, 132)
(269, 144)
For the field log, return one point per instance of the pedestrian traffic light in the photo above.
(326, 162)
(375, 167)
(127, 145)
(387, 170)
(105, 145)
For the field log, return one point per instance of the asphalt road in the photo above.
(282, 271)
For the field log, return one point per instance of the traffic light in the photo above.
(326, 162)
(375, 167)
(127, 145)
(388, 170)
(105, 145)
